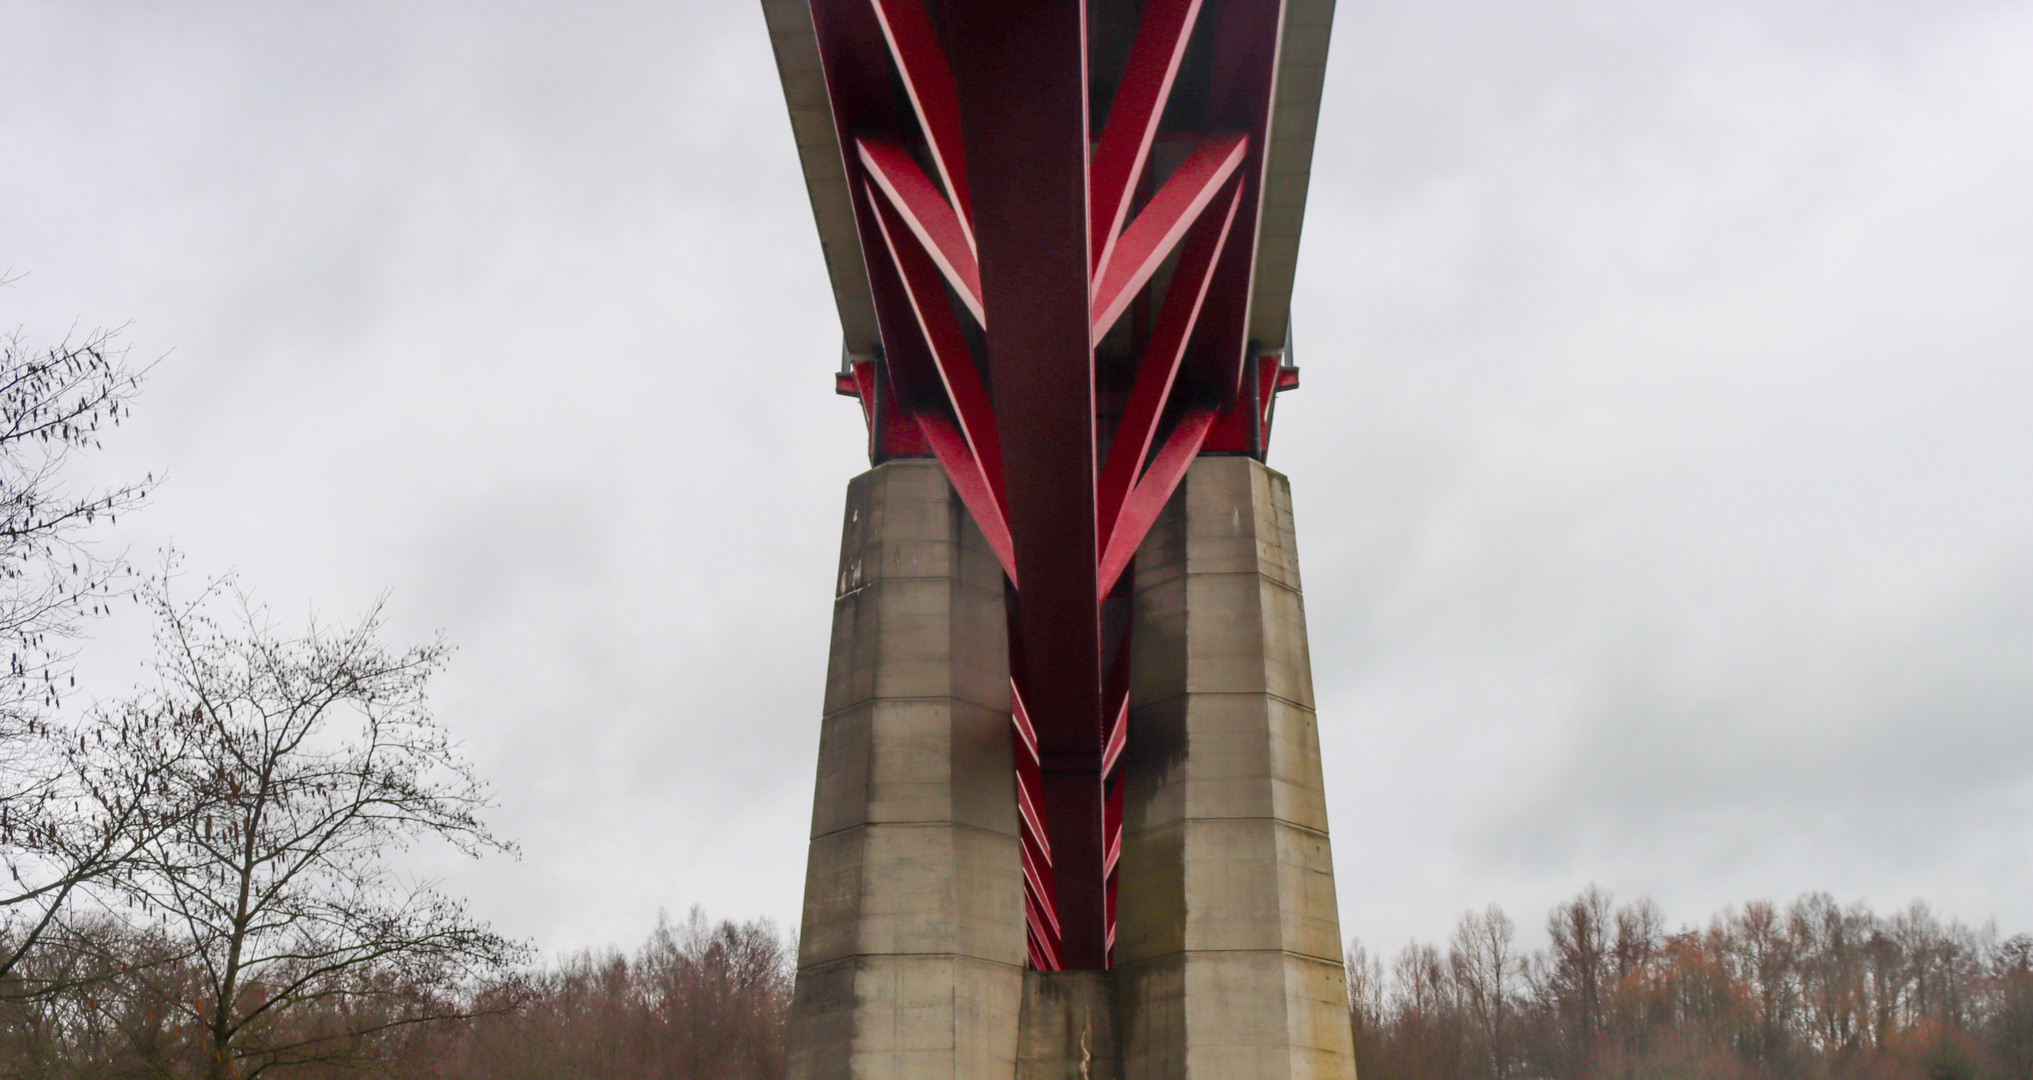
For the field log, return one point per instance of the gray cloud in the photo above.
(1677, 480)
(1661, 465)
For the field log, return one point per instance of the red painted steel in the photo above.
(1152, 492)
(930, 217)
(948, 349)
(1151, 237)
(1041, 922)
(1020, 71)
(1027, 235)
(1245, 49)
(858, 382)
(1159, 366)
(973, 483)
(1162, 33)
(1118, 738)
(864, 385)
(928, 79)
(1113, 816)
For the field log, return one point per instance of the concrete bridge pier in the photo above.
(911, 956)
(1227, 957)
(1228, 943)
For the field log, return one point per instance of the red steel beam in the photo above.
(969, 451)
(1159, 366)
(1040, 922)
(1245, 51)
(930, 217)
(1160, 480)
(858, 382)
(1163, 29)
(955, 365)
(1020, 72)
(972, 482)
(1151, 237)
(909, 380)
(928, 80)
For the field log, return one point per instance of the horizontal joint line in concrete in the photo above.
(1294, 954)
(841, 961)
(1142, 705)
(1300, 594)
(1172, 577)
(873, 582)
(1177, 822)
(935, 823)
(1000, 710)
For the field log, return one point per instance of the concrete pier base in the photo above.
(910, 961)
(1228, 944)
(1066, 1029)
(1227, 958)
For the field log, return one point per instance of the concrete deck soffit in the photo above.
(1288, 163)
(796, 46)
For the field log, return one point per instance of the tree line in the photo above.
(699, 1000)
(1814, 989)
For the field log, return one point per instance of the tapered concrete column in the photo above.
(1228, 946)
(910, 964)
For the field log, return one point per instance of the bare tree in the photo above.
(68, 815)
(721, 993)
(1754, 947)
(1831, 938)
(301, 765)
(54, 403)
(1488, 972)
(2011, 1035)
(1579, 969)
(1640, 931)
(1366, 987)
(1761, 994)
(101, 799)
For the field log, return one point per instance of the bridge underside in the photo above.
(1061, 239)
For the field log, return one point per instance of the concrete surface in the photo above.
(1228, 945)
(910, 961)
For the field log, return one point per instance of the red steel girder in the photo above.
(1151, 237)
(972, 482)
(928, 79)
(858, 382)
(943, 339)
(1020, 74)
(1159, 367)
(1162, 33)
(930, 217)
(1245, 50)
(1041, 921)
(1141, 509)
(970, 450)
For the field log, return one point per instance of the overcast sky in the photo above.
(1664, 463)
